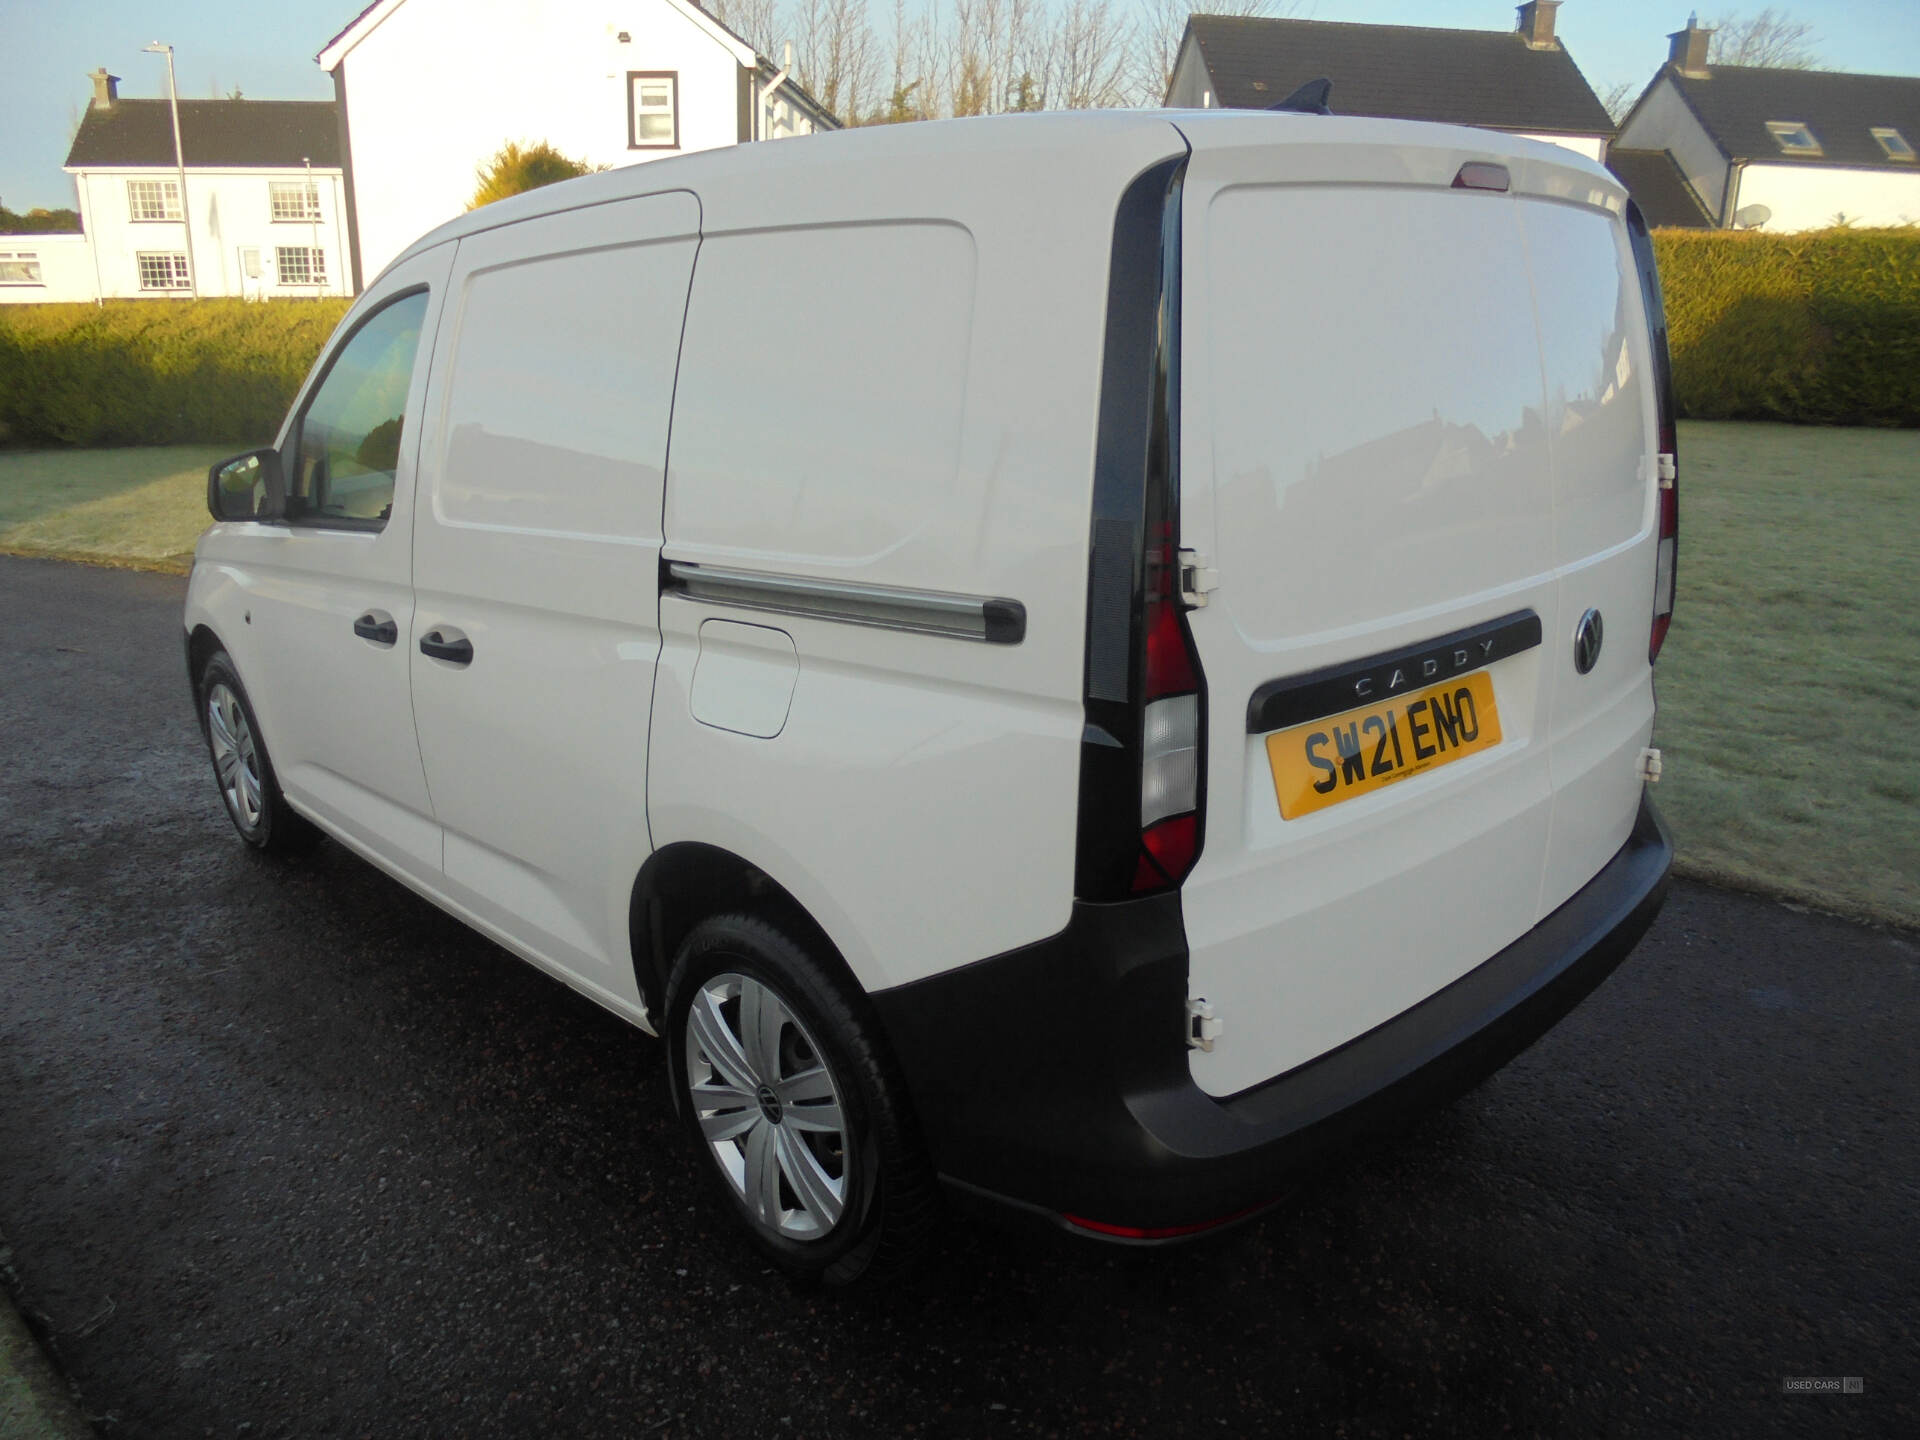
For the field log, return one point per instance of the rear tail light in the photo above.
(1669, 458)
(1142, 753)
(1669, 554)
(1170, 732)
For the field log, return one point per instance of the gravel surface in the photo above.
(285, 1151)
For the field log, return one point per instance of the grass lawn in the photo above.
(142, 507)
(1790, 726)
(1789, 716)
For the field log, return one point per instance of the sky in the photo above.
(267, 50)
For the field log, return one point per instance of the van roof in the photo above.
(839, 160)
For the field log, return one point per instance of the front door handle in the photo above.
(438, 646)
(377, 626)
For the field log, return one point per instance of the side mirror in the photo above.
(247, 487)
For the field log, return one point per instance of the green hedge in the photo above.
(1820, 327)
(155, 372)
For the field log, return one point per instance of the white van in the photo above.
(1068, 660)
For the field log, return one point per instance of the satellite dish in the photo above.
(1751, 217)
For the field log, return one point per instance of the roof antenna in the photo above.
(1310, 99)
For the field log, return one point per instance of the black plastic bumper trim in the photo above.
(1055, 1078)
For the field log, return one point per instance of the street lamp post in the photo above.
(180, 162)
(313, 232)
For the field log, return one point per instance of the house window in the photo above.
(1893, 142)
(1793, 137)
(163, 270)
(653, 109)
(294, 199)
(153, 199)
(300, 265)
(20, 267)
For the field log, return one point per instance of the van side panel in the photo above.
(895, 383)
(538, 540)
(850, 403)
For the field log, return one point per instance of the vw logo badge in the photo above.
(1586, 642)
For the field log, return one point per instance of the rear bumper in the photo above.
(1054, 1078)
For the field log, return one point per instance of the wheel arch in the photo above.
(202, 646)
(688, 881)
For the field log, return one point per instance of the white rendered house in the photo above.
(264, 198)
(41, 268)
(428, 91)
(1787, 149)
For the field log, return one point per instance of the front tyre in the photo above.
(790, 1095)
(241, 767)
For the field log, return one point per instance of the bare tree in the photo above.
(836, 54)
(908, 97)
(1619, 98)
(755, 21)
(972, 41)
(964, 57)
(1156, 45)
(1773, 39)
(1087, 58)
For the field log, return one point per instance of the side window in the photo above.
(347, 447)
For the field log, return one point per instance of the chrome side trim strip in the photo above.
(927, 612)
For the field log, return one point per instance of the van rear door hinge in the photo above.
(1197, 578)
(1202, 1027)
(1650, 765)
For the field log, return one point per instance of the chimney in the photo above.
(1536, 24)
(1688, 49)
(106, 89)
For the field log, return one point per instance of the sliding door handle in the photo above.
(377, 626)
(454, 649)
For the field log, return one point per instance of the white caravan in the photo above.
(1069, 661)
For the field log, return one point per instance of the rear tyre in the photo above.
(241, 767)
(787, 1090)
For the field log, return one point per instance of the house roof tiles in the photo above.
(1735, 103)
(1463, 77)
(214, 134)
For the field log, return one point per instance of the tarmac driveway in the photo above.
(285, 1151)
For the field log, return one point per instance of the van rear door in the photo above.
(1409, 500)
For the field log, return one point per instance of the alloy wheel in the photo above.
(768, 1106)
(236, 758)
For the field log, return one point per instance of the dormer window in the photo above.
(1793, 137)
(1894, 143)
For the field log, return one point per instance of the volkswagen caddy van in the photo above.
(1074, 662)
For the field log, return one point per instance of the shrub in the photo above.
(1820, 327)
(156, 372)
(518, 168)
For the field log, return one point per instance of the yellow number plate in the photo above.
(1360, 751)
